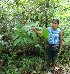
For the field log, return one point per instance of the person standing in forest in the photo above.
(54, 42)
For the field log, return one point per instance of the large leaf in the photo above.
(45, 33)
(31, 24)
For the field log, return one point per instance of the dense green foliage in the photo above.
(18, 40)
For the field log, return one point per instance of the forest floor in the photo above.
(62, 70)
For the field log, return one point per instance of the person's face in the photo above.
(54, 24)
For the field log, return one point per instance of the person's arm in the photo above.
(38, 32)
(60, 36)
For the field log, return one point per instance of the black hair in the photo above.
(55, 19)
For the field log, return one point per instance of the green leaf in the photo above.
(39, 17)
(15, 37)
(45, 33)
(17, 41)
(34, 37)
(31, 41)
(27, 40)
(29, 25)
(22, 42)
(1, 36)
(38, 45)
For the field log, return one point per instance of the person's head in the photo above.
(55, 23)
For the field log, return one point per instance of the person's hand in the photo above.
(59, 52)
(33, 28)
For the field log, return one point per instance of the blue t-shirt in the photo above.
(53, 36)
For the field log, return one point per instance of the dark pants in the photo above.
(52, 51)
